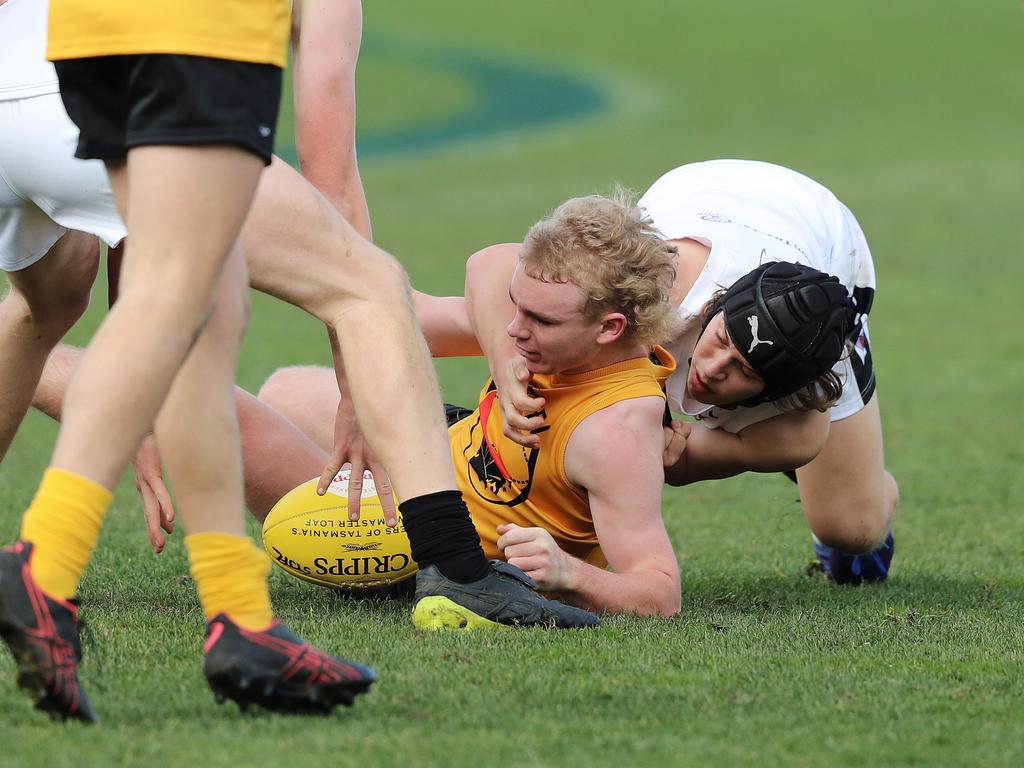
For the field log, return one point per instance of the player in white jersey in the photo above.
(727, 217)
(745, 214)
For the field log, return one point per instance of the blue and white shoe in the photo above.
(844, 568)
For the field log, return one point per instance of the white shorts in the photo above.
(44, 189)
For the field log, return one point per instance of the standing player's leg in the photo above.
(184, 208)
(44, 301)
(46, 298)
(249, 657)
(196, 428)
(850, 499)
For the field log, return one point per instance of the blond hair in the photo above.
(613, 253)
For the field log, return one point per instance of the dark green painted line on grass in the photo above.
(508, 97)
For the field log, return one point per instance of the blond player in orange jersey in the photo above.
(726, 218)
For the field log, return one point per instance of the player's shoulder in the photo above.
(622, 423)
(623, 440)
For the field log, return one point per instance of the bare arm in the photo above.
(326, 35)
(446, 325)
(325, 48)
(616, 455)
(488, 275)
(778, 444)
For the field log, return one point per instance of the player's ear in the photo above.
(613, 326)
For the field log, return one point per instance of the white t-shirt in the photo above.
(749, 213)
(23, 72)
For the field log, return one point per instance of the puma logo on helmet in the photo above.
(754, 341)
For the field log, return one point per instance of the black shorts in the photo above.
(120, 102)
(453, 414)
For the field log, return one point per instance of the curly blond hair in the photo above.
(607, 247)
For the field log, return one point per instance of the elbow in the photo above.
(475, 265)
(672, 604)
(669, 610)
(813, 439)
(793, 461)
(662, 609)
(664, 601)
(484, 263)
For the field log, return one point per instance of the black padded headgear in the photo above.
(790, 322)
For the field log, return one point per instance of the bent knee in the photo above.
(892, 491)
(381, 283)
(54, 315)
(56, 302)
(853, 519)
(387, 281)
(854, 531)
(854, 525)
(282, 389)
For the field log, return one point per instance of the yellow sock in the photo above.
(231, 577)
(63, 523)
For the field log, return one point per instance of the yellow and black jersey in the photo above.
(503, 482)
(240, 30)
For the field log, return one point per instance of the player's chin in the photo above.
(713, 399)
(727, 399)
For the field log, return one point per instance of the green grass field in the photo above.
(911, 112)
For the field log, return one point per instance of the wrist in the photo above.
(500, 357)
(572, 577)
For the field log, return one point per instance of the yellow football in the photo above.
(311, 537)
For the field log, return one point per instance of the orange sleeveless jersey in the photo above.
(503, 482)
(240, 30)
